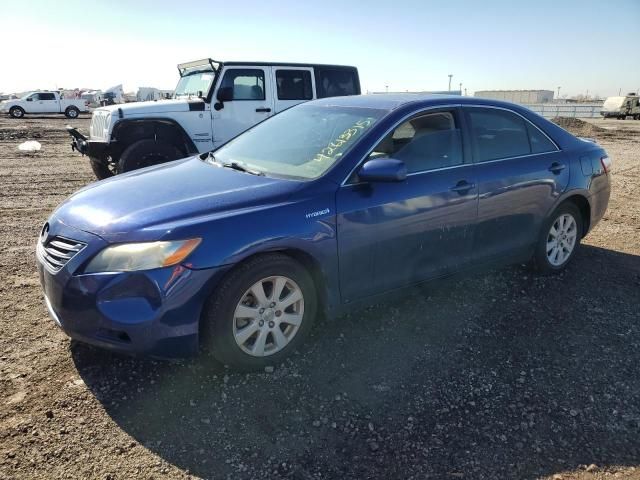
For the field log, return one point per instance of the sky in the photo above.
(586, 46)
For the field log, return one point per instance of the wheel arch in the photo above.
(581, 201)
(310, 263)
(128, 131)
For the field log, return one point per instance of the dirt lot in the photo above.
(499, 375)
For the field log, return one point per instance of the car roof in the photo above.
(285, 64)
(413, 102)
(393, 101)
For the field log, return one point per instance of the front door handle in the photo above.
(267, 110)
(556, 167)
(462, 187)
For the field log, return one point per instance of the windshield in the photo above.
(193, 83)
(302, 142)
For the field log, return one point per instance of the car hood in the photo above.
(154, 201)
(157, 106)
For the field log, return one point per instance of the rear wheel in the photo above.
(16, 112)
(559, 239)
(260, 313)
(71, 112)
(147, 152)
(102, 169)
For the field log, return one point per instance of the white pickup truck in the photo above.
(213, 102)
(44, 102)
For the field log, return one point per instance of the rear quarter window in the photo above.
(540, 143)
(336, 82)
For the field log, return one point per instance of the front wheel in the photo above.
(16, 112)
(101, 169)
(260, 312)
(559, 239)
(147, 152)
(71, 112)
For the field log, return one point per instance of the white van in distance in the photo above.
(212, 103)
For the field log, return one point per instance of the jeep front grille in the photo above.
(98, 124)
(58, 251)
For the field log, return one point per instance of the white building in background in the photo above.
(517, 96)
(145, 94)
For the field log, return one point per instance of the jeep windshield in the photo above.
(194, 83)
(302, 142)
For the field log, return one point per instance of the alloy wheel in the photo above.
(268, 316)
(561, 239)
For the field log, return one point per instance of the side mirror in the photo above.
(30, 99)
(225, 94)
(383, 170)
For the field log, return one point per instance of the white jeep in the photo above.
(212, 103)
(43, 102)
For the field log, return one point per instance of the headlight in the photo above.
(129, 257)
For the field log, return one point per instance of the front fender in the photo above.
(128, 130)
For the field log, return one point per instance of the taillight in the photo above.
(606, 164)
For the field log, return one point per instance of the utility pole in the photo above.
(460, 88)
(450, 76)
(558, 93)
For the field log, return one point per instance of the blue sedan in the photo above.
(323, 207)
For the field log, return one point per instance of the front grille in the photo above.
(58, 251)
(98, 124)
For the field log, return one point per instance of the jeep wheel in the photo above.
(71, 112)
(260, 312)
(101, 168)
(147, 152)
(16, 112)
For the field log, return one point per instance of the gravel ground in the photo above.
(496, 375)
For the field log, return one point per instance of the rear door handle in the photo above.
(556, 167)
(267, 110)
(462, 187)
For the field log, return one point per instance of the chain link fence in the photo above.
(575, 110)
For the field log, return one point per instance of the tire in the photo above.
(71, 112)
(16, 112)
(223, 332)
(544, 260)
(147, 152)
(100, 168)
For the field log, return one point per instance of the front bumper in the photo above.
(84, 146)
(154, 312)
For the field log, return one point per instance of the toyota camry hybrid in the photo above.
(323, 207)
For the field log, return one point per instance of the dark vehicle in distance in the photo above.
(326, 206)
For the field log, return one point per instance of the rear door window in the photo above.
(294, 84)
(336, 82)
(497, 134)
